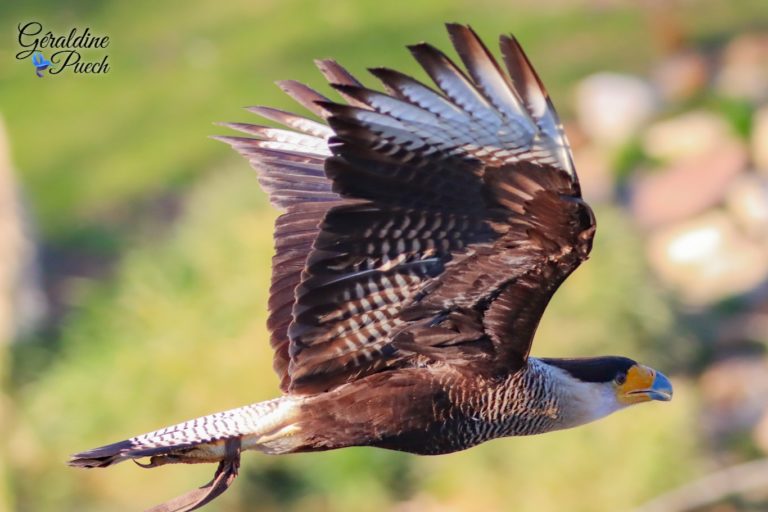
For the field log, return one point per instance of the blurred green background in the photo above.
(155, 245)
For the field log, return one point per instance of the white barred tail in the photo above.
(258, 426)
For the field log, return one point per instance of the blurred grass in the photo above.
(180, 333)
(176, 329)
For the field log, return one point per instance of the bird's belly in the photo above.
(459, 434)
(414, 411)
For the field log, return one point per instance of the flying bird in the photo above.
(423, 232)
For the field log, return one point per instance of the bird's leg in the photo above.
(170, 458)
(159, 460)
(222, 479)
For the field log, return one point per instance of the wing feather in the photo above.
(537, 101)
(412, 91)
(296, 122)
(337, 75)
(486, 74)
(304, 95)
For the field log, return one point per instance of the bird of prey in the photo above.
(424, 230)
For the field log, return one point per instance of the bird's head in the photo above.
(641, 384)
(602, 385)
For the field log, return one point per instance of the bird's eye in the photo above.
(621, 379)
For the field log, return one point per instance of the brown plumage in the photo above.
(423, 233)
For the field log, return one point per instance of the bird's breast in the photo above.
(524, 403)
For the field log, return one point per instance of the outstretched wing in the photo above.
(425, 225)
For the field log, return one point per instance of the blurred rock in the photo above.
(760, 140)
(593, 165)
(707, 259)
(576, 136)
(686, 135)
(744, 68)
(734, 329)
(760, 433)
(688, 186)
(594, 168)
(22, 301)
(611, 106)
(735, 394)
(747, 200)
(681, 76)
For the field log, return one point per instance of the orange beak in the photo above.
(644, 384)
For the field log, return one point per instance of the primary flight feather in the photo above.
(424, 231)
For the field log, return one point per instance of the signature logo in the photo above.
(80, 51)
(40, 63)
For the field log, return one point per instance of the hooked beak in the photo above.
(661, 389)
(644, 384)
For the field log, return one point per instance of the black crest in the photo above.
(593, 369)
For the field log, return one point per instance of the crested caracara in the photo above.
(424, 230)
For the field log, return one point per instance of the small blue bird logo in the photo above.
(41, 63)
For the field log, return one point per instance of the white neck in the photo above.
(582, 402)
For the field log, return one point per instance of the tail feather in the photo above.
(199, 440)
(110, 454)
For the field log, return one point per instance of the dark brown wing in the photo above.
(452, 218)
